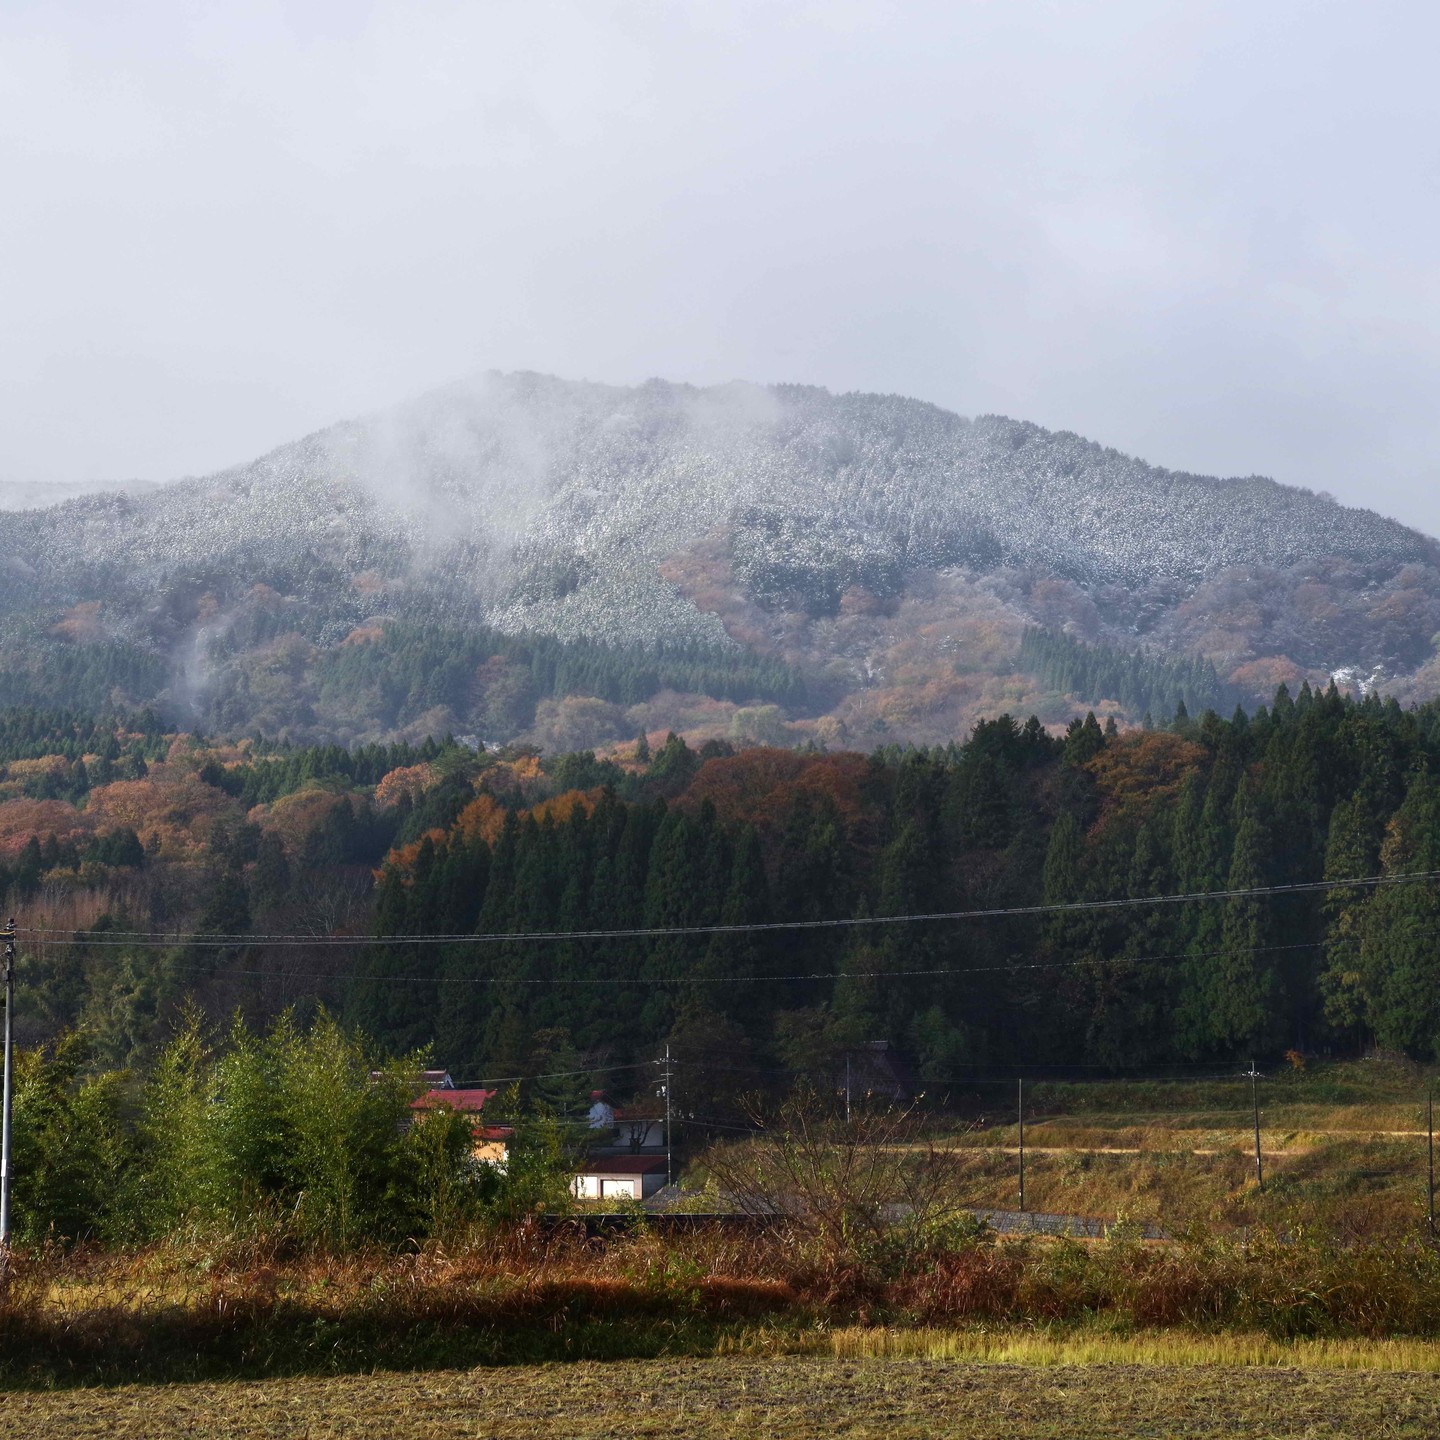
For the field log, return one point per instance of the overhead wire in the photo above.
(559, 1074)
(804, 976)
(200, 940)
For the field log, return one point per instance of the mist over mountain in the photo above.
(39, 494)
(523, 557)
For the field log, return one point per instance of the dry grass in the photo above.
(718, 1334)
(1017, 1346)
(1350, 1188)
(528, 1296)
(790, 1398)
(1344, 1151)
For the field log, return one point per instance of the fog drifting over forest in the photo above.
(1200, 233)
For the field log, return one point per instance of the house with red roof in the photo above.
(619, 1177)
(491, 1142)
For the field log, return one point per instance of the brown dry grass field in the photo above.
(1343, 1145)
(789, 1398)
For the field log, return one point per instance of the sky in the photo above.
(1203, 233)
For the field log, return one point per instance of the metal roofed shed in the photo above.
(619, 1177)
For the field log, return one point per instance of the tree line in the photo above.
(1314, 787)
(1144, 684)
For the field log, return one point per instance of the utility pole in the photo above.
(1430, 1148)
(847, 1087)
(1020, 1108)
(1254, 1075)
(7, 1099)
(669, 1150)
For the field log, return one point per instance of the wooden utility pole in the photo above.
(1255, 1108)
(7, 1097)
(669, 1144)
(1430, 1155)
(1020, 1109)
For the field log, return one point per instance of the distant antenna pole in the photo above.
(1020, 1109)
(7, 1099)
(1254, 1075)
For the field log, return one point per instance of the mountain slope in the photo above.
(877, 544)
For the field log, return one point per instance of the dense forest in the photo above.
(1143, 684)
(379, 678)
(150, 871)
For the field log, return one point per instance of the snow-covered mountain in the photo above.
(670, 515)
(40, 494)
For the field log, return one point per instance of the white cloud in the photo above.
(1201, 233)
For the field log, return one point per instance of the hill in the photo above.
(522, 557)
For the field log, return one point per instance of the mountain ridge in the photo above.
(849, 535)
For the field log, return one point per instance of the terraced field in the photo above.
(1353, 1159)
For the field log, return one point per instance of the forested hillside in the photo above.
(116, 835)
(526, 559)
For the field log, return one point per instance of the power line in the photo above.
(558, 1074)
(812, 975)
(278, 940)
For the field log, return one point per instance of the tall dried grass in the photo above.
(527, 1292)
(1011, 1346)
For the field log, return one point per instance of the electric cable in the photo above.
(231, 941)
(812, 975)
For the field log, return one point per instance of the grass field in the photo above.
(1309, 1310)
(789, 1398)
(1343, 1146)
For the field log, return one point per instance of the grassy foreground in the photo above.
(531, 1295)
(791, 1398)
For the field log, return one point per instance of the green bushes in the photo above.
(294, 1136)
(71, 1147)
(287, 1132)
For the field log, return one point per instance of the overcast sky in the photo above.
(1205, 233)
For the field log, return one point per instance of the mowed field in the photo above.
(790, 1398)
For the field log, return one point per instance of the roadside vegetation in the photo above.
(537, 1293)
(1343, 1146)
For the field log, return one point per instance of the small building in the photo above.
(491, 1143)
(876, 1070)
(619, 1177)
(639, 1127)
(464, 1102)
